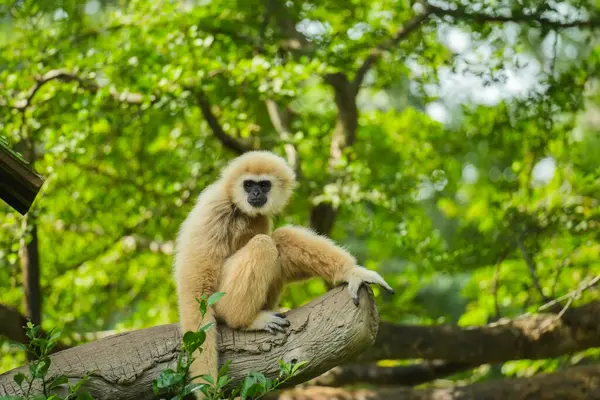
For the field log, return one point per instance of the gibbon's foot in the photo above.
(358, 275)
(270, 322)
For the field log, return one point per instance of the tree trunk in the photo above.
(30, 270)
(327, 331)
(578, 383)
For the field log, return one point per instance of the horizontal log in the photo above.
(528, 337)
(401, 375)
(578, 383)
(326, 332)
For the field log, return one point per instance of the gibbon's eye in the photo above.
(248, 185)
(265, 186)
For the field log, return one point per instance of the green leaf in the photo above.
(206, 327)
(75, 388)
(223, 381)
(58, 381)
(203, 306)
(19, 378)
(193, 340)
(297, 366)
(215, 297)
(40, 368)
(208, 379)
(224, 368)
(168, 379)
(284, 368)
(84, 396)
(194, 387)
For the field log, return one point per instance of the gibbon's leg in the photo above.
(274, 295)
(206, 362)
(303, 253)
(249, 279)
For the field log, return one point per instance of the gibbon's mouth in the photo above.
(257, 203)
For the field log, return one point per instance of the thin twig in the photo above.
(496, 287)
(532, 268)
(571, 295)
(559, 270)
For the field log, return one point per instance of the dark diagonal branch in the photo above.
(228, 141)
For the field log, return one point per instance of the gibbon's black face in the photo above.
(257, 192)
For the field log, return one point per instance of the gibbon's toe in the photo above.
(275, 327)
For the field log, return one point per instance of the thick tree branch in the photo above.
(326, 332)
(530, 337)
(400, 35)
(87, 84)
(517, 16)
(578, 383)
(294, 40)
(229, 142)
(403, 375)
(11, 326)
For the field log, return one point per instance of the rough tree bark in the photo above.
(579, 383)
(529, 337)
(326, 332)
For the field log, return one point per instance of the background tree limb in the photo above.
(578, 383)
(529, 337)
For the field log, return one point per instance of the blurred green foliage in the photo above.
(444, 205)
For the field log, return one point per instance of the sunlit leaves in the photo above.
(430, 204)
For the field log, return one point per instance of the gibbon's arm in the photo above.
(303, 254)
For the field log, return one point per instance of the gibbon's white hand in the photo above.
(270, 322)
(358, 275)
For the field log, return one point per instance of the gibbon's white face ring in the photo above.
(274, 198)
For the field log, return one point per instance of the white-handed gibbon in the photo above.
(226, 244)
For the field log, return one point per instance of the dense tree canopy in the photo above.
(452, 146)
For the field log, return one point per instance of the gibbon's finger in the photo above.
(280, 322)
(269, 329)
(381, 282)
(277, 327)
(375, 278)
(353, 290)
(280, 315)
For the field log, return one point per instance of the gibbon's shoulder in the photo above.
(259, 162)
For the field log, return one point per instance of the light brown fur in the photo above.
(227, 245)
